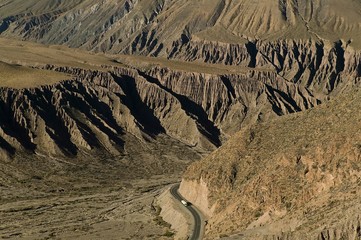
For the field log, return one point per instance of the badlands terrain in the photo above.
(104, 105)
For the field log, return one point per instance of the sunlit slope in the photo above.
(153, 27)
(17, 76)
(297, 177)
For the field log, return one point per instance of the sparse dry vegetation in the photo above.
(276, 180)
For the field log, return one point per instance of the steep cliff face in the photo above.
(98, 107)
(295, 177)
(291, 76)
(92, 111)
(316, 65)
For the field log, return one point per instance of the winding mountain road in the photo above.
(198, 221)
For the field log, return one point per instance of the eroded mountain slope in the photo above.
(153, 27)
(107, 97)
(296, 177)
(312, 43)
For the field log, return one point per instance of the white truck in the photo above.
(184, 202)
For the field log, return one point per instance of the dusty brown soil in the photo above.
(124, 210)
(97, 197)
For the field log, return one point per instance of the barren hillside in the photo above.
(296, 177)
(155, 27)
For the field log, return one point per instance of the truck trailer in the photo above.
(184, 202)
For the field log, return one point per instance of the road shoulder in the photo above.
(173, 212)
(197, 216)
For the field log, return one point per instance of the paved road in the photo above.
(194, 211)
